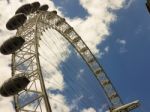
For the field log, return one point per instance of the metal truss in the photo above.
(26, 61)
(70, 34)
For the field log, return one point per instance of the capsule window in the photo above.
(18, 86)
(10, 47)
(4, 50)
(11, 90)
(44, 7)
(15, 23)
(35, 6)
(4, 93)
(15, 43)
(19, 21)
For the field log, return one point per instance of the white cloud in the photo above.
(102, 53)
(103, 108)
(6, 105)
(5, 71)
(59, 103)
(95, 27)
(75, 102)
(81, 71)
(121, 41)
(106, 49)
(89, 110)
(122, 44)
(129, 3)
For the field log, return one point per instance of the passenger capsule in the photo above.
(11, 45)
(148, 5)
(43, 8)
(25, 9)
(54, 12)
(35, 6)
(16, 21)
(14, 85)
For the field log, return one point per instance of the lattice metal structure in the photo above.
(26, 61)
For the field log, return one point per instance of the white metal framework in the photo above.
(26, 61)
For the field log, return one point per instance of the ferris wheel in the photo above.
(31, 21)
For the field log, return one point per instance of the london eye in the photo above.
(32, 21)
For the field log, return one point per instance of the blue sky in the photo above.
(131, 68)
(127, 64)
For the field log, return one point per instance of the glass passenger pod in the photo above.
(148, 5)
(11, 45)
(16, 21)
(25, 9)
(54, 12)
(43, 7)
(35, 6)
(14, 85)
